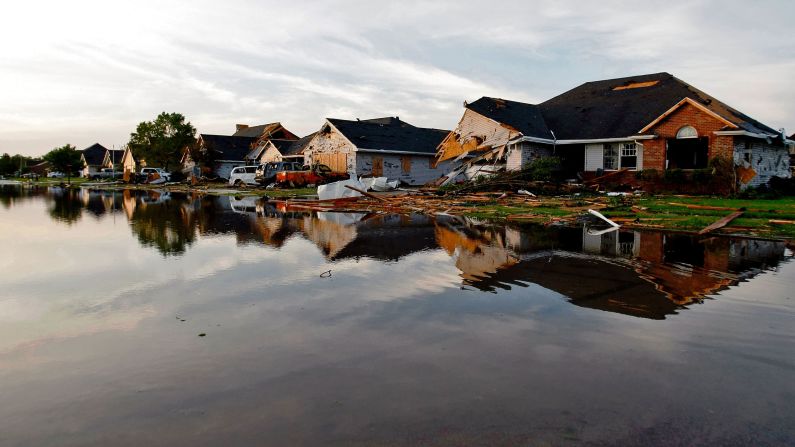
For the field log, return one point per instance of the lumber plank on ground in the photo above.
(703, 207)
(720, 223)
(608, 175)
(781, 222)
(366, 194)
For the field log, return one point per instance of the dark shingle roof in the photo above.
(390, 134)
(229, 147)
(525, 118)
(297, 147)
(274, 130)
(94, 154)
(116, 155)
(255, 131)
(599, 110)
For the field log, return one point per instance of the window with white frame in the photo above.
(610, 157)
(629, 155)
(687, 132)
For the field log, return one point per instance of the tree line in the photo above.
(160, 142)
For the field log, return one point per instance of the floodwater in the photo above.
(144, 318)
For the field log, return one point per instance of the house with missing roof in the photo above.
(381, 147)
(230, 151)
(653, 121)
(97, 157)
(275, 150)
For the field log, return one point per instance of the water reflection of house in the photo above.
(647, 275)
(477, 253)
(643, 274)
(390, 237)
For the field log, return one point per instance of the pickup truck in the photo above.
(266, 172)
(319, 174)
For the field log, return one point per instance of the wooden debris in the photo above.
(720, 223)
(606, 176)
(365, 193)
(703, 207)
(781, 222)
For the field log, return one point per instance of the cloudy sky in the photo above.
(81, 72)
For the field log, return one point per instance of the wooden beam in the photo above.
(720, 223)
(366, 194)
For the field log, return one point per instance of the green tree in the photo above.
(160, 142)
(6, 165)
(64, 159)
(10, 164)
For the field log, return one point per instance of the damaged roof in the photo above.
(297, 147)
(525, 118)
(271, 129)
(230, 147)
(611, 108)
(390, 134)
(616, 108)
(95, 154)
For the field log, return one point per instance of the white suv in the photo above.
(243, 174)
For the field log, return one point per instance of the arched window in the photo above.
(687, 132)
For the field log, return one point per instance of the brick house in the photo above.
(653, 121)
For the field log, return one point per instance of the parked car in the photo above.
(56, 174)
(266, 172)
(107, 173)
(30, 175)
(243, 175)
(145, 172)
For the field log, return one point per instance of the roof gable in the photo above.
(228, 147)
(389, 134)
(94, 155)
(522, 117)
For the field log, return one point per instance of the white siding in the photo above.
(640, 156)
(594, 157)
(514, 160)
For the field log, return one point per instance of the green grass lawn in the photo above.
(660, 212)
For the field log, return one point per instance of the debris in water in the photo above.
(326, 274)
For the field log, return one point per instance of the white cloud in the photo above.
(89, 71)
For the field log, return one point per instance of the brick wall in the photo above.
(686, 115)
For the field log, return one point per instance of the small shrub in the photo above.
(542, 169)
(674, 175)
(702, 175)
(648, 174)
(783, 186)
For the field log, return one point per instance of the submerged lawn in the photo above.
(659, 212)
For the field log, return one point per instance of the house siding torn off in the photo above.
(760, 161)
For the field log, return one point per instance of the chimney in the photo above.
(240, 127)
